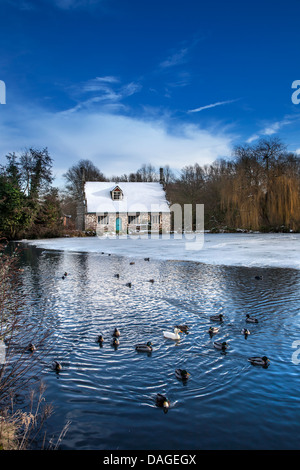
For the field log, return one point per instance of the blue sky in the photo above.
(127, 82)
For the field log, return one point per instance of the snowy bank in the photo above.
(251, 250)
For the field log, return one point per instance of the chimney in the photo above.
(161, 176)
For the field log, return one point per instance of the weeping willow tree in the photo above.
(263, 191)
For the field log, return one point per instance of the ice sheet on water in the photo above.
(238, 249)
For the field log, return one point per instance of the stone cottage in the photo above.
(124, 207)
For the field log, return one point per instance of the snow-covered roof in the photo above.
(137, 197)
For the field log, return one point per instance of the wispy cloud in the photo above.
(107, 91)
(273, 128)
(176, 58)
(74, 4)
(213, 105)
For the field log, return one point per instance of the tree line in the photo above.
(256, 188)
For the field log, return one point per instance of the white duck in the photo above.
(174, 335)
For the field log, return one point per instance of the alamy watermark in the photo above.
(187, 223)
(2, 92)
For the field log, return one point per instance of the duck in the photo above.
(65, 274)
(163, 402)
(146, 347)
(31, 347)
(116, 332)
(259, 361)
(183, 328)
(128, 284)
(213, 330)
(245, 332)
(151, 280)
(220, 345)
(56, 366)
(174, 335)
(250, 319)
(100, 339)
(115, 342)
(132, 262)
(217, 317)
(259, 278)
(117, 276)
(182, 374)
(146, 259)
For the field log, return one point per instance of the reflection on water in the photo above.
(109, 393)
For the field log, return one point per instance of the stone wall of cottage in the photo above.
(163, 223)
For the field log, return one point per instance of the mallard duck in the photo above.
(100, 339)
(146, 347)
(151, 280)
(116, 332)
(217, 317)
(162, 401)
(56, 366)
(220, 345)
(132, 262)
(174, 335)
(31, 347)
(245, 332)
(65, 274)
(250, 319)
(183, 328)
(213, 330)
(182, 374)
(115, 342)
(259, 361)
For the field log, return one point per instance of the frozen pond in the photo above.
(109, 394)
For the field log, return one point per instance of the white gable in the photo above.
(137, 197)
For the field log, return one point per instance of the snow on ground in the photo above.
(238, 249)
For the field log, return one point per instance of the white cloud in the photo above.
(176, 58)
(115, 143)
(213, 105)
(273, 128)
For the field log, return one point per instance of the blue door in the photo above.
(118, 224)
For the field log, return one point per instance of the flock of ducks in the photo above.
(181, 374)
(255, 360)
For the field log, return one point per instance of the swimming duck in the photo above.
(128, 284)
(116, 332)
(31, 347)
(245, 332)
(132, 262)
(151, 280)
(65, 274)
(117, 275)
(251, 320)
(100, 339)
(182, 374)
(115, 342)
(183, 328)
(146, 347)
(217, 317)
(213, 330)
(258, 277)
(163, 402)
(220, 345)
(57, 366)
(146, 259)
(174, 335)
(259, 361)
